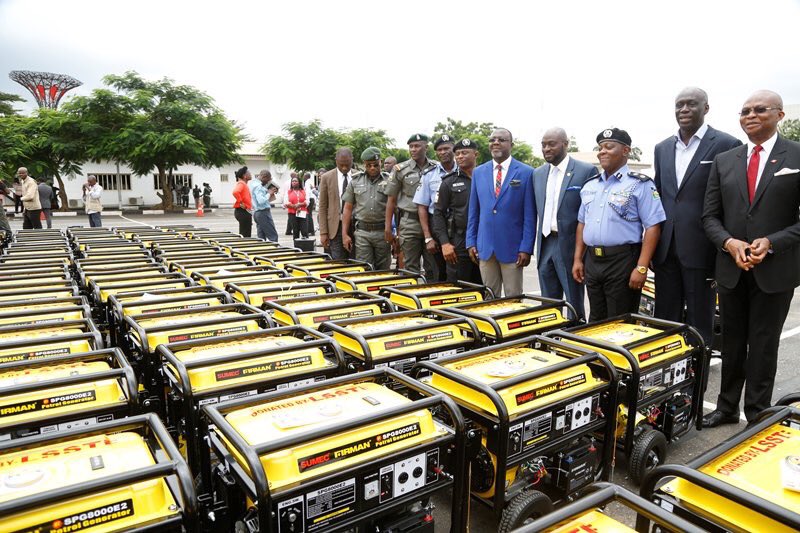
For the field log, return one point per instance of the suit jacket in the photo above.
(773, 214)
(504, 225)
(569, 201)
(684, 205)
(330, 204)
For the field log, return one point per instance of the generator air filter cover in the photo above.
(373, 281)
(523, 316)
(57, 400)
(29, 472)
(622, 334)
(182, 330)
(313, 313)
(329, 407)
(324, 269)
(593, 521)
(141, 308)
(296, 359)
(753, 466)
(429, 336)
(277, 289)
(433, 295)
(489, 368)
(114, 288)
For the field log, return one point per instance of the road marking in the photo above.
(135, 221)
(712, 407)
(715, 361)
(790, 333)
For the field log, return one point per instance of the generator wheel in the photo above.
(524, 508)
(649, 451)
(240, 527)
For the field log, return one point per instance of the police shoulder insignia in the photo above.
(655, 193)
(639, 176)
(590, 179)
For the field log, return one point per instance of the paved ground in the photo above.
(788, 378)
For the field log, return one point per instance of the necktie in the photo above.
(549, 201)
(752, 171)
(344, 188)
(498, 181)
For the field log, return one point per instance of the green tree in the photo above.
(790, 129)
(573, 145)
(305, 147)
(167, 126)
(360, 139)
(479, 132)
(634, 155)
(6, 104)
(14, 145)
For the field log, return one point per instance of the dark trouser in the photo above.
(464, 269)
(750, 317)
(676, 285)
(555, 276)
(206, 201)
(441, 266)
(18, 204)
(336, 247)
(298, 226)
(310, 222)
(48, 216)
(31, 219)
(95, 221)
(185, 201)
(607, 282)
(265, 226)
(245, 221)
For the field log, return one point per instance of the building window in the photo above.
(109, 181)
(178, 180)
(223, 178)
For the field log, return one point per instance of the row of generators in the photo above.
(179, 379)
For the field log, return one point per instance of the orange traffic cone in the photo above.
(200, 210)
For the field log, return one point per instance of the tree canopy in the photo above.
(479, 132)
(790, 128)
(6, 104)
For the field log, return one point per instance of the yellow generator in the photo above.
(513, 317)
(545, 411)
(221, 278)
(21, 312)
(280, 258)
(36, 341)
(211, 265)
(100, 291)
(663, 368)
(207, 371)
(256, 293)
(65, 392)
(348, 454)
(748, 483)
(323, 269)
(123, 475)
(375, 280)
(311, 311)
(437, 295)
(586, 515)
(399, 340)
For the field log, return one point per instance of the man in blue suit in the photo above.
(684, 259)
(557, 188)
(502, 217)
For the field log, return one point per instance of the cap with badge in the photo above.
(615, 135)
(417, 137)
(465, 143)
(442, 139)
(371, 154)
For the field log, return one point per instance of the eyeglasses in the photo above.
(498, 140)
(758, 110)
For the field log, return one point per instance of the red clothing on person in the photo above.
(241, 192)
(295, 196)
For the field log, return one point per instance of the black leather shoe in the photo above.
(717, 418)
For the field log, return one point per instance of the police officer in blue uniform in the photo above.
(618, 230)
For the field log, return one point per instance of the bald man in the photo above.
(557, 186)
(751, 216)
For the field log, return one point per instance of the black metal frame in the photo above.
(193, 266)
(500, 424)
(376, 276)
(282, 305)
(652, 483)
(305, 282)
(88, 327)
(631, 378)
(184, 403)
(41, 294)
(463, 286)
(258, 272)
(163, 281)
(248, 472)
(78, 304)
(313, 269)
(285, 256)
(123, 273)
(789, 399)
(151, 428)
(9, 272)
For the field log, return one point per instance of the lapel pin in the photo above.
(569, 174)
(774, 161)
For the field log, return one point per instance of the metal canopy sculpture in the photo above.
(46, 87)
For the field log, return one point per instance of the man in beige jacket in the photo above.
(30, 201)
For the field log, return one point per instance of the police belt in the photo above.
(608, 251)
(370, 226)
(409, 214)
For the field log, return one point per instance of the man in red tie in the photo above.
(751, 216)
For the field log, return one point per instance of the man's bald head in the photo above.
(554, 145)
(691, 107)
(693, 92)
(559, 134)
(344, 160)
(760, 115)
(766, 95)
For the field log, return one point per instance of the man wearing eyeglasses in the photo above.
(684, 260)
(751, 216)
(501, 225)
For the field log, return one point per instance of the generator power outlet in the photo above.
(409, 474)
(581, 413)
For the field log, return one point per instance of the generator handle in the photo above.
(119, 307)
(789, 399)
(718, 487)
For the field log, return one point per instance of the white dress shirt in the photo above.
(340, 184)
(505, 164)
(767, 145)
(685, 152)
(554, 180)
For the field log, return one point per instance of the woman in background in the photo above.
(296, 204)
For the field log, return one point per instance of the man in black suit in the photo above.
(684, 259)
(751, 216)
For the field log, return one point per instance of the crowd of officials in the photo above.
(718, 217)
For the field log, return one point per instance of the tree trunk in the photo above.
(62, 193)
(166, 186)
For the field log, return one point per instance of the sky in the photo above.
(404, 66)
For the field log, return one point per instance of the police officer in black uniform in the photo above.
(450, 214)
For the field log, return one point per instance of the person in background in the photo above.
(207, 195)
(92, 193)
(290, 221)
(243, 202)
(4, 191)
(389, 163)
(263, 192)
(30, 201)
(17, 196)
(45, 196)
(309, 188)
(296, 204)
(185, 195)
(196, 193)
(332, 185)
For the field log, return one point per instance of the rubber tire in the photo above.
(528, 504)
(640, 463)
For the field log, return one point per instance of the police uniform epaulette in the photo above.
(357, 174)
(428, 169)
(400, 166)
(590, 179)
(453, 172)
(639, 176)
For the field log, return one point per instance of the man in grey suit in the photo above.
(557, 188)
(684, 259)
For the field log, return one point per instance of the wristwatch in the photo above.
(641, 269)
(429, 239)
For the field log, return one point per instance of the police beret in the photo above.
(465, 143)
(616, 135)
(417, 137)
(371, 154)
(442, 139)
